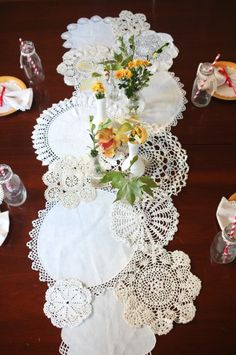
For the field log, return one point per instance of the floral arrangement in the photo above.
(107, 139)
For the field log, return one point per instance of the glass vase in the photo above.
(136, 104)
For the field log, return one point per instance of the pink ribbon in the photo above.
(228, 80)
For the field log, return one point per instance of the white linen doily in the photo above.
(158, 288)
(151, 220)
(63, 128)
(106, 323)
(69, 181)
(77, 243)
(68, 303)
(226, 212)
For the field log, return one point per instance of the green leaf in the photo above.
(130, 195)
(96, 75)
(149, 181)
(118, 179)
(148, 190)
(118, 57)
(121, 194)
(106, 178)
(135, 158)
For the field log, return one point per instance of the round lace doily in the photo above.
(158, 288)
(68, 303)
(149, 41)
(152, 220)
(69, 181)
(79, 64)
(165, 160)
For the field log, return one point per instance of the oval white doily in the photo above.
(165, 160)
(77, 243)
(68, 303)
(106, 323)
(157, 289)
(151, 220)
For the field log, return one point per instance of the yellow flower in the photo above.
(98, 87)
(138, 63)
(123, 73)
(138, 135)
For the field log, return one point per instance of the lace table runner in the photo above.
(107, 271)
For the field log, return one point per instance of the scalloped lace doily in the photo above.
(151, 220)
(69, 181)
(103, 31)
(68, 303)
(157, 288)
(79, 64)
(165, 160)
(149, 41)
(129, 23)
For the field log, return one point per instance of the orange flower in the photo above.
(123, 73)
(138, 135)
(108, 142)
(138, 63)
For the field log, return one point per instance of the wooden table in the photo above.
(200, 30)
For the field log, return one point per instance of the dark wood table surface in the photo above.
(200, 30)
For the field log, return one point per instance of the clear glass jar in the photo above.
(14, 190)
(223, 247)
(204, 85)
(31, 63)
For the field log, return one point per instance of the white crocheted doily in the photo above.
(151, 220)
(79, 64)
(69, 181)
(68, 303)
(147, 42)
(165, 160)
(103, 31)
(157, 288)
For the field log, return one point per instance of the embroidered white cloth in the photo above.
(15, 97)
(226, 212)
(105, 332)
(4, 226)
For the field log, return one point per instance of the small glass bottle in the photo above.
(204, 85)
(31, 63)
(14, 190)
(223, 247)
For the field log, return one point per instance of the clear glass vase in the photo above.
(31, 63)
(14, 190)
(136, 104)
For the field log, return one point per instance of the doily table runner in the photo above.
(105, 261)
(105, 32)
